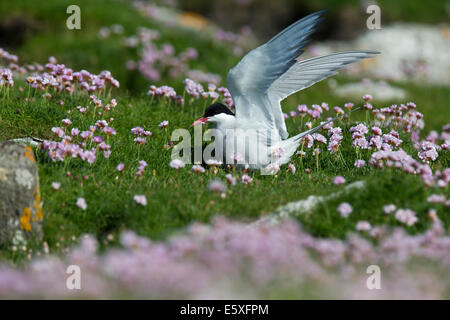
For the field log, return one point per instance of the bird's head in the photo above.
(215, 113)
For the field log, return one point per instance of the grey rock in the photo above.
(20, 199)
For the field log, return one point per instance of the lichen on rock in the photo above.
(21, 212)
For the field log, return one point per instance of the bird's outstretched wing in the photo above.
(250, 79)
(304, 74)
(271, 72)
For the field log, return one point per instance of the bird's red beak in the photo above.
(199, 120)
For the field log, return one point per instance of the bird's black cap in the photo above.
(216, 108)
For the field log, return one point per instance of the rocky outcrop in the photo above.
(20, 199)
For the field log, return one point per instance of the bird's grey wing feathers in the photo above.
(251, 78)
(303, 74)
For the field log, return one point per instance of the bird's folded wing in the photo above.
(251, 78)
(303, 74)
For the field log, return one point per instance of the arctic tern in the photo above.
(256, 135)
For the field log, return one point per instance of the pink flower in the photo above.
(363, 226)
(66, 122)
(359, 163)
(377, 131)
(406, 216)
(75, 132)
(176, 164)
(140, 199)
(86, 134)
(140, 140)
(120, 167)
(338, 110)
(137, 131)
(56, 185)
(345, 209)
(141, 168)
(97, 139)
(198, 168)
(349, 105)
(246, 179)
(361, 143)
(101, 124)
(217, 186)
(164, 124)
(389, 208)
(436, 198)
(361, 129)
(367, 97)
(58, 131)
(109, 131)
(339, 180)
(230, 179)
(319, 138)
(81, 203)
(301, 154)
(291, 168)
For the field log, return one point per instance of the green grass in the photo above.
(47, 35)
(177, 198)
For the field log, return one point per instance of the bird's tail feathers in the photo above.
(311, 131)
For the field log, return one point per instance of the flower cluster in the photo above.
(61, 78)
(428, 151)
(194, 90)
(158, 60)
(84, 145)
(336, 137)
(400, 159)
(6, 77)
(222, 259)
(141, 168)
(166, 92)
(11, 58)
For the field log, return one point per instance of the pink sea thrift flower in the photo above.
(141, 168)
(389, 208)
(140, 140)
(198, 168)
(345, 209)
(360, 163)
(339, 180)
(436, 198)
(97, 139)
(75, 132)
(217, 186)
(140, 199)
(58, 131)
(164, 124)
(109, 131)
(230, 179)
(56, 185)
(292, 168)
(246, 179)
(176, 164)
(363, 226)
(120, 167)
(81, 203)
(138, 131)
(406, 216)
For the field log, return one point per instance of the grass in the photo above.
(177, 198)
